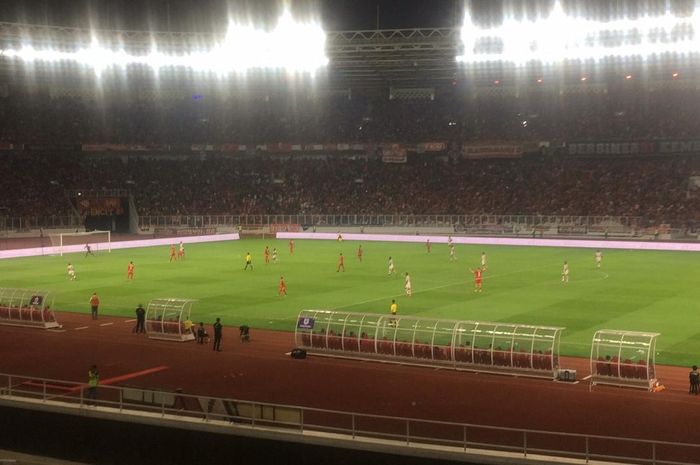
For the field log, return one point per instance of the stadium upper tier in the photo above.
(625, 111)
(656, 189)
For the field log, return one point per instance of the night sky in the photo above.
(212, 15)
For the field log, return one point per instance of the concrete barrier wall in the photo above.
(35, 251)
(571, 243)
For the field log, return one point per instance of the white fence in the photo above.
(350, 429)
(460, 223)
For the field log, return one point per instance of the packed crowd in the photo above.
(660, 190)
(36, 180)
(452, 116)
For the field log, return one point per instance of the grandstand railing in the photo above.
(401, 432)
(26, 223)
(461, 223)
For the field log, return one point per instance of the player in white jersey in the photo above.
(449, 241)
(407, 286)
(71, 272)
(392, 270)
(181, 252)
(565, 273)
(483, 261)
(598, 258)
(274, 255)
(453, 255)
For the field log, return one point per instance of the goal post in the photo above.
(99, 241)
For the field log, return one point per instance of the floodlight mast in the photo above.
(294, 46)
(560, 37)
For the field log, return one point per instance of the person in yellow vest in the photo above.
(248, 261)
(93, 381)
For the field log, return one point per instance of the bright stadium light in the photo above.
(560, 37)
(291, 46)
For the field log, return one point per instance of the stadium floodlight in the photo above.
(560, 37)
(293, 46)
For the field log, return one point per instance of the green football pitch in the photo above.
(634, 290)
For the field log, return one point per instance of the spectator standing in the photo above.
(201, 333)
(694, 378)
(93, 381)
(140, 320)
(217, 335)
(94, 305)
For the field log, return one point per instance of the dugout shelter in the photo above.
(26, 307)
(166, 317)
(624, 358)
(503, 348)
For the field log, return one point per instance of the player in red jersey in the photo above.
(283, 287)
(130, 271)
(291, 246)
(477, 279)
(359, 253)
(341, 262)
(266, 254)
(172, 253)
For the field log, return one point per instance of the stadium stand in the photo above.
(657, 189)
(183, 181)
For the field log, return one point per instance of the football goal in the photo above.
(92, 241)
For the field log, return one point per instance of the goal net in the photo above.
(96, 241)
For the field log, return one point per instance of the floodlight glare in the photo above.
(291, 46)
(560, 37)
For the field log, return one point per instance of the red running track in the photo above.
(261, 371)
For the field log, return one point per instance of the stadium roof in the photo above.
(357, 59)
